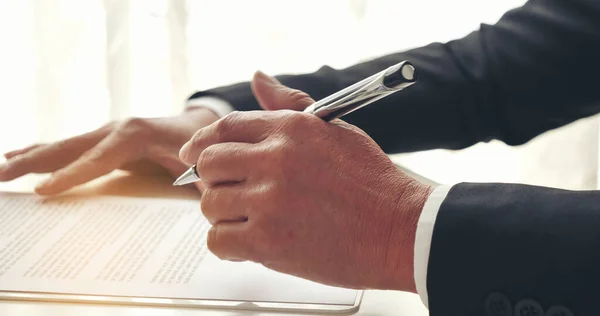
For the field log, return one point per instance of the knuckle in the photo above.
(61, 145)
(93, 156)
(264, 154)
(135, 122)
(207, 156)
(352, 128)
(135, 126)
(197, 137)
(224, 124)
(278, 153)
(109, 126)
(298, 122)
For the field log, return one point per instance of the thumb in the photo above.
(272, 95)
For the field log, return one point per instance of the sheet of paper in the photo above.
(136, 247)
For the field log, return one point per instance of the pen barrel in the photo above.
(364, 92)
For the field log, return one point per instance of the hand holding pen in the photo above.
(352, 98)
(307, 197)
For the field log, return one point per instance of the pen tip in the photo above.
(189, 176)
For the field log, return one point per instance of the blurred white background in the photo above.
(68, 66)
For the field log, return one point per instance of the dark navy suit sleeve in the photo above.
(501, 249)
(534, 70)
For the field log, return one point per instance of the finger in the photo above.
(144, 167)
(105, 157)
(228, 241)
(244, 127)
(226, 162)
(21, 151)
(272, 95)
(48, 158)
(251, 127)
(224, 204)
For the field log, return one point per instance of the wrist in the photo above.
(411, 198)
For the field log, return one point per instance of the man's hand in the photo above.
(138, 145)
(301, 196)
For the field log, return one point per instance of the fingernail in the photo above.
(184, 152)
(272, 81)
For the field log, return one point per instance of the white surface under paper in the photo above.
(135, 247)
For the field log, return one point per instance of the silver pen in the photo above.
(350, 99)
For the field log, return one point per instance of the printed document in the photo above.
(134, 247)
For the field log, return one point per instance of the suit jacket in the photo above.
(497, 249)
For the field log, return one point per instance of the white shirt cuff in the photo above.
(423, 239)
(219, 106)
